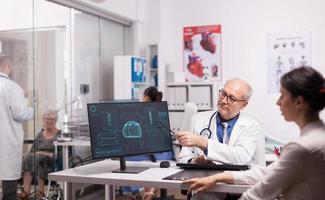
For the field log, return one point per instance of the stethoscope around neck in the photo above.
(207, 131)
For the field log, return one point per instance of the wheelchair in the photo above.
(53, 190)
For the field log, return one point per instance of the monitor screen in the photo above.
(121, 129)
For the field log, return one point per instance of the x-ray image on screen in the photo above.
(128, 128)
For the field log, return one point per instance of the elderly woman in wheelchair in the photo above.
(41, 159)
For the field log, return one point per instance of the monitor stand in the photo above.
(131, 170)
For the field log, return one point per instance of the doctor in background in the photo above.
(300, 171)
(13, 112)
(227, 136)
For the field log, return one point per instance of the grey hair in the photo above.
(50, 112)
(249, 91)
(5, 59)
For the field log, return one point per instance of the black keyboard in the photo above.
(212, 166)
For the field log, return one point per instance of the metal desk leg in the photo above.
(109, 192)
(66, 186)
(67, 191)
(65, 156)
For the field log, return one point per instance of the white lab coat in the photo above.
(13, 111)
(241, 148)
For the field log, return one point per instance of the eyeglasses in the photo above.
(229, 98)
(49, 118)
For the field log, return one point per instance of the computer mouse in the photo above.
(164, 164)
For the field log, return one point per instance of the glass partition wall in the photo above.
(62, 58)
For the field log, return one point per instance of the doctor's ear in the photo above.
(244, 104)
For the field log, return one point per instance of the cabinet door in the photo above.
(176, 97)
(201, 95)
(176, 119)
(122, 77)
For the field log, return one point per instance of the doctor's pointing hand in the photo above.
(188, 139)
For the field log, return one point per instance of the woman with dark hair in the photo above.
(300, 171)
(151, 94)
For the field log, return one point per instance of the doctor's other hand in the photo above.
(188, 139)
(202, 160)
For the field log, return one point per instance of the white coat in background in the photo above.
(241, 148)
(13, 112)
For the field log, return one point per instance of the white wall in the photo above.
(245, 25)
(124, 8)
(17, 14)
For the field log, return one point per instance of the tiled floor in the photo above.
(174, 193)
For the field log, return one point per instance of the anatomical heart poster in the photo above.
(202, 53)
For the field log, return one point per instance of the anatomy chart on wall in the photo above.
(286, 52)
(202, 53)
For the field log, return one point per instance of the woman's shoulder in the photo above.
(313, 142)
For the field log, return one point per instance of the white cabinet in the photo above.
(176, 119)
(203, 94)
(130, 77)
(176, 97)
(152, 57)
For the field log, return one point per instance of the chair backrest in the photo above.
(198, 116)
(190, 110)
(260, 151)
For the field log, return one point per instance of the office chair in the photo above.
(190, 110)
(260, 151)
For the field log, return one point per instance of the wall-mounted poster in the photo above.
(202, 53)
(286, 52)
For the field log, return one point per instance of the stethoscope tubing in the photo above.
(209, 125)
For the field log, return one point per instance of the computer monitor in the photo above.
(120, 129)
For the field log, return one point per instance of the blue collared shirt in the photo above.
(231, 124)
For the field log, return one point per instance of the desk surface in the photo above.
(74, 142)
(100, 173)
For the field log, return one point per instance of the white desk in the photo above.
(65, 160)
(100, 173)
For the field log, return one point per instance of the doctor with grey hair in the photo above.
(13, 112)
(226, 136)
